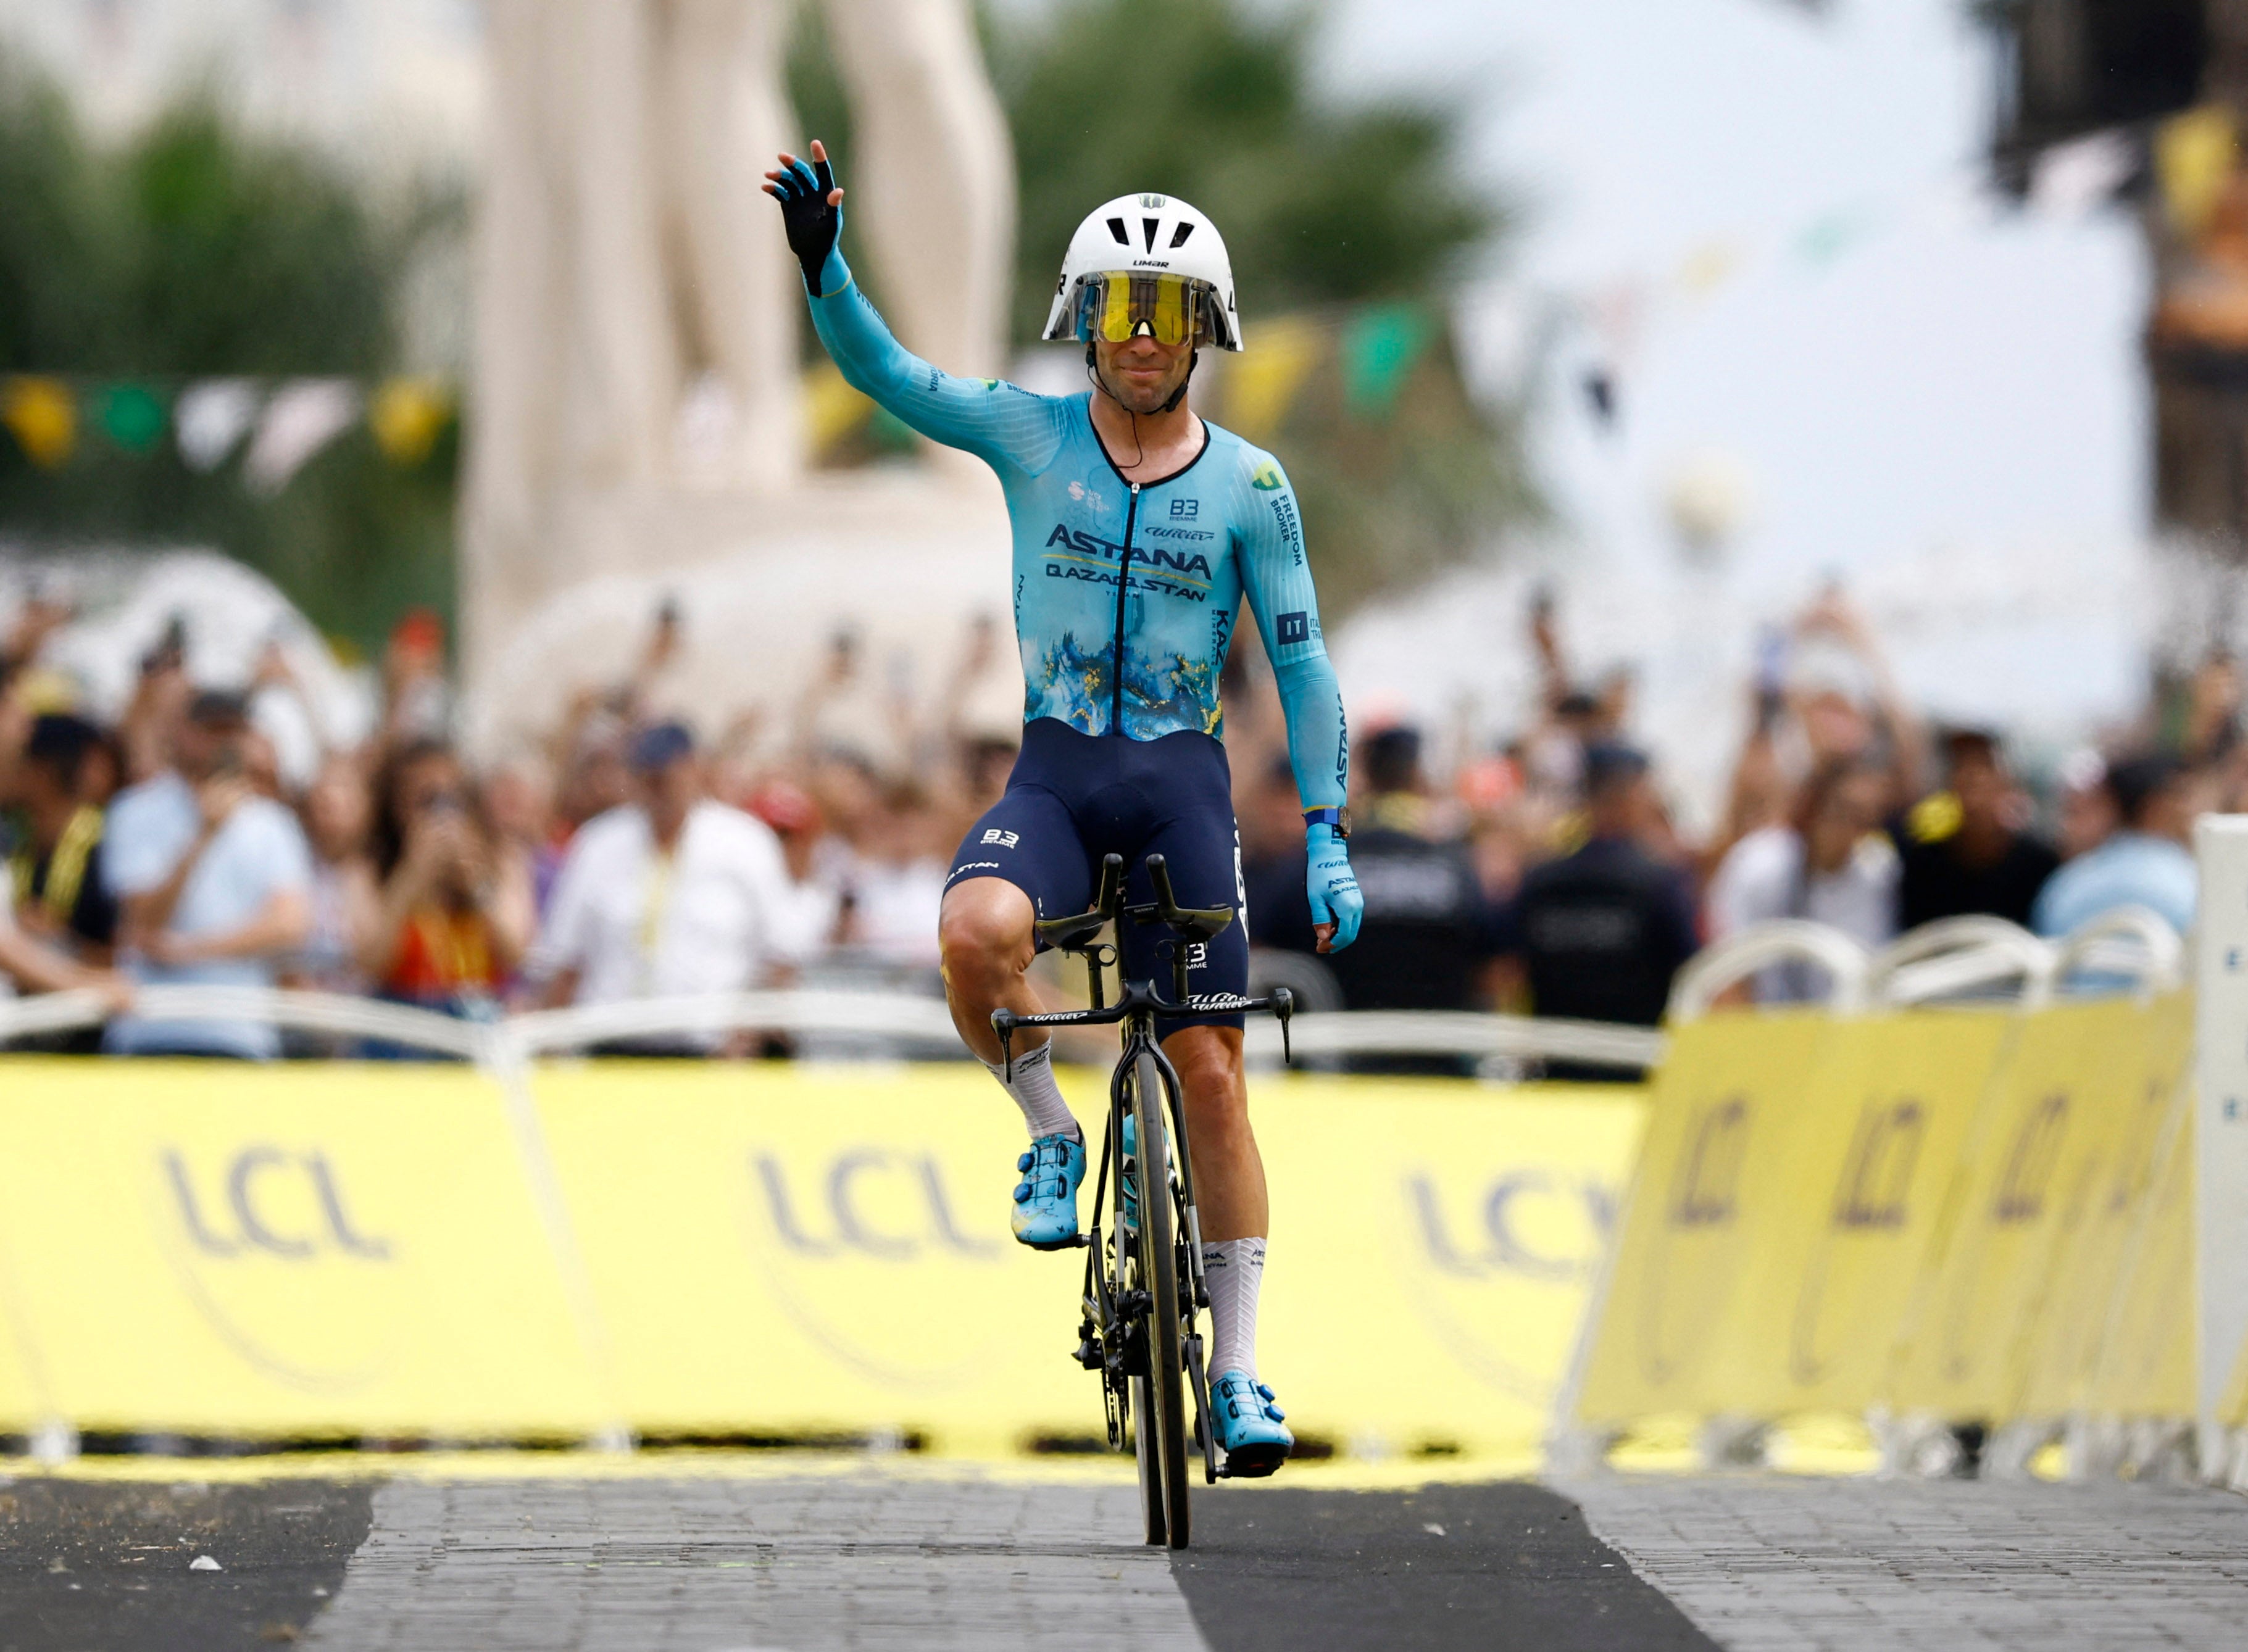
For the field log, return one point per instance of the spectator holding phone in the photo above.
(1830, 862)
(457, 910)
(213, 881)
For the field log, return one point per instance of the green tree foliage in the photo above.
(194, 249)
(1213, 100)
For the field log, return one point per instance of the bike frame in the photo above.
(1107, 1335)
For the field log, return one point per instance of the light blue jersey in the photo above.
(1157, 572)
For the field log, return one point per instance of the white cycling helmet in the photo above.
(1148, 235)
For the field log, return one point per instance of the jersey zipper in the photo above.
(1123, 585)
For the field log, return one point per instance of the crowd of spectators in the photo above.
(628, 856)
(1551, 877)
(633, 854)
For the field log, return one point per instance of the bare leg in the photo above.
(984, 932)
(1229, 1172)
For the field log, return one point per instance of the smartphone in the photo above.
(171, 650)
(1771, 675)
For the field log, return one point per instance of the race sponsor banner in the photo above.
(1709, 1198)
(2114, 1205)
(1880, 1126)
(222, 1248)
(802, 1249)
(1973, 1212)
(2143, 1366)
(2051, 1127)
(1435, 1247)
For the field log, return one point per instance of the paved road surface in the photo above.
(875, 1559)
(1773, 1565)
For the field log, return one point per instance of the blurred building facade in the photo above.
(2164, 84)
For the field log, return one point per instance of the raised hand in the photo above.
(810, 211)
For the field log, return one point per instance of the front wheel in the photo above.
(1159, 1397)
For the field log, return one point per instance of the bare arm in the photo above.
(147, 915)
(559, 991)
(511, 907)
(1834, 614)
(283, 924)
(44, 969)
(430, 846)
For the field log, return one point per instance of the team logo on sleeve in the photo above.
(1266, 476)
(1295, 627)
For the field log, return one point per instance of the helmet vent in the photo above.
(1179, 235)
(1149, 226)
(1116, 228)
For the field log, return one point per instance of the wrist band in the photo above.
(1338, 819)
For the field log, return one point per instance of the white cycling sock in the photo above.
(1036, 1092)
(1233, 1268)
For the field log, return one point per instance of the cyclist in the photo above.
(1139, 531)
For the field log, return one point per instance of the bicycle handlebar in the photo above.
(1201, 922)
(1071, 932)
(1141, 999)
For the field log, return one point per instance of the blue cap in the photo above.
(660, 745)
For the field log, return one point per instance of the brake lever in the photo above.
(1284, 1007)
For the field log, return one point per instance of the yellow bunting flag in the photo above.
(42, 416)
(408, 415)
(1708, 267)
(833, 409)
(1261, 386)
(2194, 156)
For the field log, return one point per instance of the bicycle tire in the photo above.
(1139, 1404)
(1163, 1493)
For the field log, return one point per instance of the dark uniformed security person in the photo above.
(1429, 931)
(1601, 931)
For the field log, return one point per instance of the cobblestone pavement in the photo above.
(896, 1555)
(1845, 1565)
(769, 1564)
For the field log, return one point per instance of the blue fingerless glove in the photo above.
(1333, 885)
(813, 226)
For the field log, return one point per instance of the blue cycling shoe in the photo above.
(1250, 1430)
(1045, 1199)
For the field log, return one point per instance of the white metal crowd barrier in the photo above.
(514, 1039)
(1956, 957)
(1951, 958)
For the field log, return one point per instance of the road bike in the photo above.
(1144, 1279)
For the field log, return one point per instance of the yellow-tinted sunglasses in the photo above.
(1170, 309)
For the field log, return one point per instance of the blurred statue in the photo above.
(638, 310)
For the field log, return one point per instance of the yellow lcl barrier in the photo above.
(217, 1247)
(740, 1248)
(822, 1248)
(1958, 1211)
